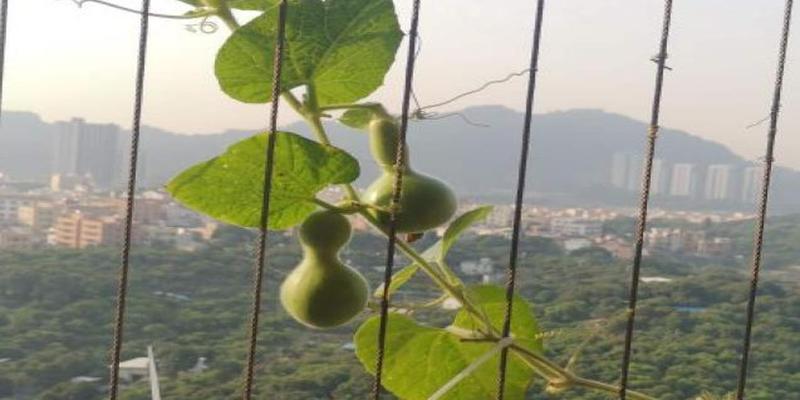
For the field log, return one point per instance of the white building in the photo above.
(751, 184)
(619, 170)
(626, 171)
(660, 177)
(134, 369)
(718, 182)
(573, 244)
(476, 268)
(684, 180)
(575, 227)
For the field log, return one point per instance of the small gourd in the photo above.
(426, 202)
(322, 292)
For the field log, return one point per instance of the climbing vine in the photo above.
(337, 54)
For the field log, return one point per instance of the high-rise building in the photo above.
(635, 165)
(84, 149)
(626, 171)
(684, 180)
(619, 170)
(751, 184)
(719, 182)
(660, 177)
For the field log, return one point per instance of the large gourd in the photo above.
(426, 202)
(323, 292)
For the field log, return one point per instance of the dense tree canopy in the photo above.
(56, 314)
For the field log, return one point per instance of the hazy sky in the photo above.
(63, 61)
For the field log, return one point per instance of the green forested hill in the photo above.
(56, 313)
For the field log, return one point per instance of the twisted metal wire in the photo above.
(122, 285)
(521, 176)
(762, 210)
(397, 192)
(258, 270)
(3, 34)
(633, 297)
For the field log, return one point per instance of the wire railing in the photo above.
(260, 261)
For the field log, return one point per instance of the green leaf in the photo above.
(229, 187)
(436, 253)
(253, 4)
(240, 4)
(356, 118)
(461, 224)
(405, 274)
(399, 279)
(342, 47)
(492, 300)
(420, 359)
(196, 3)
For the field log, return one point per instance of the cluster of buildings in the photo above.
(715, 182)
(79, 207)
(580, 228)
(78, 218)
(683, 241)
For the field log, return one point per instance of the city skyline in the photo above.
(714, 182)
(581, 68)
(90, 150)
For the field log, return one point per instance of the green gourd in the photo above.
(426, 202)
(322, 292)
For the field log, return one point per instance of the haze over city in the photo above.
(66, 61)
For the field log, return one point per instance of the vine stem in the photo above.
(226, 15)
(312, 113)
(375, 107)
(80, 4)
(566, 378)
(440, 280)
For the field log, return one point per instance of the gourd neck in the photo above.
(320, 258)
(383, 143)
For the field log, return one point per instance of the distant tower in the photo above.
(751, 184)
(718, 182)
(634, 172)
(626, 171)
(619, 170)
(87, 149)
(684, 180)
(660, 177)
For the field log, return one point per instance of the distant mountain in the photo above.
(572, 154)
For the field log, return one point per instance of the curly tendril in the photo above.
(80, 4)
(206, 25)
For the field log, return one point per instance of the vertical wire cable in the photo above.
(645, 199)
(3, 34)
(258, 273)
(397, 192)
(122, 288)
(762, 209)
(521, 177)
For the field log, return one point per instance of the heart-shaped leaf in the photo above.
(229, 187)
(419, 360)
(240, 4)
(342, 47)
(492, 301)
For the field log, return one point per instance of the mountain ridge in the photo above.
(571, 153)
